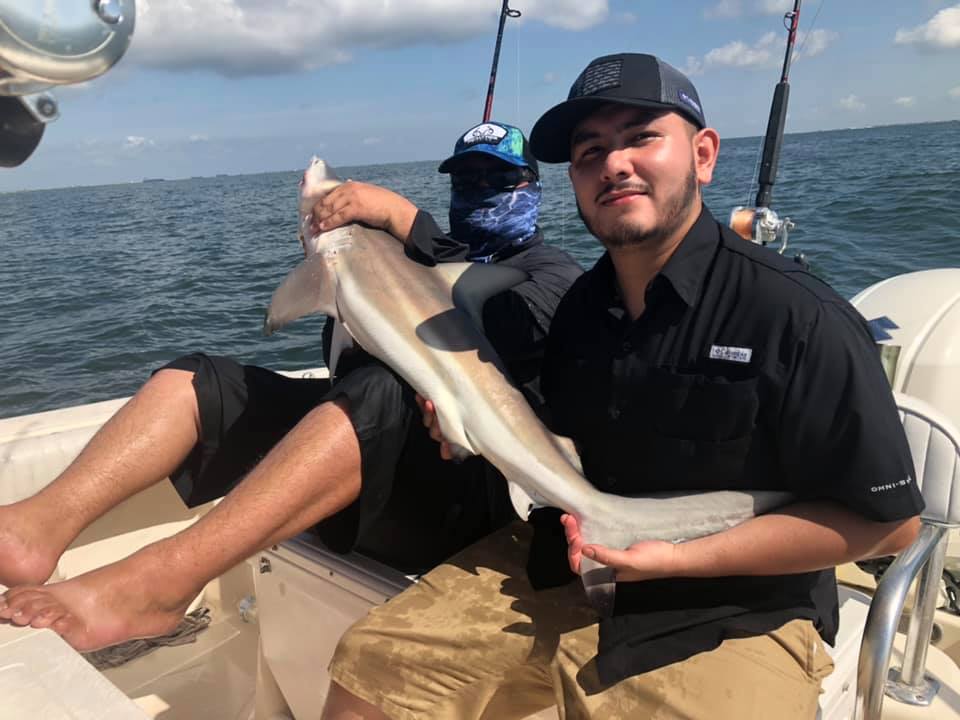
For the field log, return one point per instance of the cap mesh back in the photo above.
(675, 89)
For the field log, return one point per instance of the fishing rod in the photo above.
(505, 12)
(760, 223)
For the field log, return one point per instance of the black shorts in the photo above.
(414, 509)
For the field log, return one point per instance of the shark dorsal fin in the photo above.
(472, 284)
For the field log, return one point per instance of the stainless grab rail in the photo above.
(884, 617)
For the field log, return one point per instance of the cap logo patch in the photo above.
(684, 98)
(596, 78)
(486, 134)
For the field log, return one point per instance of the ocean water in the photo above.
(100, 285)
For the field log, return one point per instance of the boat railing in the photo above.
(935, 447)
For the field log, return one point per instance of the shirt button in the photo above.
(627, 346)
(615, 413)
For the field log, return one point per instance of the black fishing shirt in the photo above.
(743, 372)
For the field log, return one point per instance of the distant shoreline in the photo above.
(221, 176)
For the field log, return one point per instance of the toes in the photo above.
(33, 609)
(49, 616)
(21, 603)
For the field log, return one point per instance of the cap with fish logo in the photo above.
(499, 140)
(635, 79)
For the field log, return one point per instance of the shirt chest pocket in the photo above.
(698, 429)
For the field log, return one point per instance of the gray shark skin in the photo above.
(424, 322)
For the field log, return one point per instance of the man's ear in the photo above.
(706, 146)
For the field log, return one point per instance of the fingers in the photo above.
(619, 560)
(571, 529)
(446, 451)
(353, 202)
(429, 413)
(432, 424)
(334, 210)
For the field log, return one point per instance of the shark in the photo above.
(425, 323)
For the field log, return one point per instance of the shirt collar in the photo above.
(684, 271)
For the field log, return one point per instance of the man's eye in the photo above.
(589, 152)
(641, 138)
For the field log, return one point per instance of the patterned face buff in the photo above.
(491, 220)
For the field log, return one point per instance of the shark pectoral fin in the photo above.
(523, 502)
(303, 292)
(599, 584)
(473, 283)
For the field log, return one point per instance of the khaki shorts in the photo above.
(473, 640)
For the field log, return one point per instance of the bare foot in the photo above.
(103, 607)
(29, 549)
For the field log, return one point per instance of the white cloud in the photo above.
(549, 78)
(852, 102)
(735, 8)
(815, 42)
(372, 140)
(693, 66)
(955, 92)
(628, 18)
(246, 37)
(906, 101)
(774, 7)
(739, 54)
(941, 32)
(724, 9)
(198, 138)
(134, 143)
(767, 52)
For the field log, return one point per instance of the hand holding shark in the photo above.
(371, 205)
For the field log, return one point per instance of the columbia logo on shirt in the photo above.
(891, 486)
(730, 353)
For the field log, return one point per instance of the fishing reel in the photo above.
(44, 43)
(761, 225)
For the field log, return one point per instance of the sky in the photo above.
(245, 86)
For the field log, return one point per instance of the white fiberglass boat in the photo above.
(276, 618)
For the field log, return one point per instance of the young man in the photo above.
(349, 454)
(686, 359)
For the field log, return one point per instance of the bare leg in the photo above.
(142, 444)
(344, 705)
(313, 472)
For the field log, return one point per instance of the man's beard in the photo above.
(674, 214)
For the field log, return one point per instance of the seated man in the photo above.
(338, 451)
(686, 359)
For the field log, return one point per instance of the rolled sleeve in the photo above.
(428, 244)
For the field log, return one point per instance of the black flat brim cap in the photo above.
(632, 79)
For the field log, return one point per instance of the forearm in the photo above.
(802, 537)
